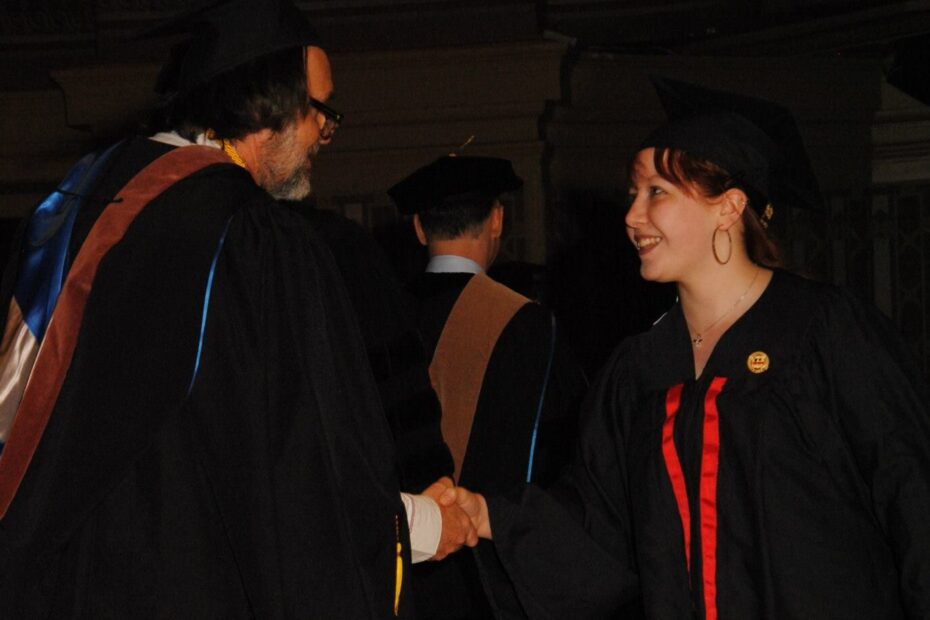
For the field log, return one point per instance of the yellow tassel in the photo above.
(399, 578)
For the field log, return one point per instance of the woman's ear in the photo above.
(732, 204)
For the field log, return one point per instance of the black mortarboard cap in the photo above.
(453, 180)
(227, 34)
(755, 140)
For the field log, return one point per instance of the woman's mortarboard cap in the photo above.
(755, 140)
(452, 180)
(224, 35)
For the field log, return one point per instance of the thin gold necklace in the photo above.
(698, 338)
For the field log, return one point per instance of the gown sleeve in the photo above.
(395, 349)
(569, 549)
(295, 444)
(879, 402)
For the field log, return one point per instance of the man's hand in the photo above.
(457, 528)
(472, 504)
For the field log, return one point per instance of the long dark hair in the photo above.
(711, 181)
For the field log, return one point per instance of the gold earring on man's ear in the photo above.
(713, 246)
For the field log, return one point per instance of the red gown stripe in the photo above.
(54, 356)
(673, 465)
(710, 465)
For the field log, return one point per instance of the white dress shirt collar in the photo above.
(174, 139)
(449, 263)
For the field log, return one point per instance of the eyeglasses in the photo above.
(333, 118)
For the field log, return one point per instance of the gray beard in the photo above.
(285, 174)
(297, 186)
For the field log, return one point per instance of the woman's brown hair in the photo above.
(711, 181)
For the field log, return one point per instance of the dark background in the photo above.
(560, 87)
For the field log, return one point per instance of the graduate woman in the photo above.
(762, 451)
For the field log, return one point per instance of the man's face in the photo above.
(289, 153)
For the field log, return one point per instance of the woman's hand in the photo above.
(473, 505)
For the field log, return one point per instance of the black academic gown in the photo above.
(386, 318)
(498, 454)
(806, 485)
(265, 490)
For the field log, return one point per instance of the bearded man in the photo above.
(188, 422)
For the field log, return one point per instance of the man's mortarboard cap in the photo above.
(755, 140)
(453, 180)
(227, 34)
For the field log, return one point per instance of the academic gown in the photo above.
(385, 312)
(259, 484)
(800, 490)
(498, 456)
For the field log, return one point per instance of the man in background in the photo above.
(508, 388)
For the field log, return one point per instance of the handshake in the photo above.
(464, 516)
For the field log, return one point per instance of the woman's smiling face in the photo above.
(670, 226)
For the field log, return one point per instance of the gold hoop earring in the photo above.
(713, 246)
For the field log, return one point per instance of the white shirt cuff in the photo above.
(424, 520)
